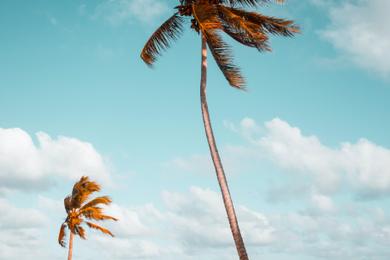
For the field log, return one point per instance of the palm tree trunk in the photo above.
(227, 200)
(70, 251)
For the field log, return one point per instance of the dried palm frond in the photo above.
(97, 227)
(61, 235)
(160, 40)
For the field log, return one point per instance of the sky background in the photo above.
(306, 148)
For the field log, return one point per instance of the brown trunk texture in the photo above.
(227, 200)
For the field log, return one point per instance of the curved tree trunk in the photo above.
(70, 251)
(227, 200)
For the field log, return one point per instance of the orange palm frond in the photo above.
(81, 191)
(77, 212)
(269, 24)
(160, 40)
(61, 235)
(223, 57)
(96, 201)
(242, 30)
(251, 3)
(91, 210)
(208, 20)
(97, 227)
(206, 16)
(68, 203)
(80, 231)
(95, 213)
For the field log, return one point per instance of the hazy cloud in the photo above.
(361, 31)
(117, 12)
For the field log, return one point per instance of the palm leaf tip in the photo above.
(102, 229)
(61, 235)
(161, 39)
(222, 55)
(250, 3)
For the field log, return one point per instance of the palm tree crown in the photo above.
(78, 209)
(211, 17)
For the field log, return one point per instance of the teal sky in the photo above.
(306, 147)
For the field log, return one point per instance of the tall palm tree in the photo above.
(211, 18)
(79, 210)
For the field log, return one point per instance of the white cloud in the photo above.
(364, 166)
(322, 202)
(19, 230)
(192, 225)
(361, 30)
(199, 220)
(122, 11)
(25, 165)
(12, 217)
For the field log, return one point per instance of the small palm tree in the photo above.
(78, 209)
(210, 18)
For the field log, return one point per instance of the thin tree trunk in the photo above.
(227, 200)
(70, 251)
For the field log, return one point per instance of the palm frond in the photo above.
(97, 227)
(251, 3)
(206, 16)
(79, 230)
(269, 24)
(95, 213)
(242, 30)
(101, 217)
(82, 189)
(96, 201)
(61, 235)
(222, 55)
(160, 40)
(68, 203)
(209, 23)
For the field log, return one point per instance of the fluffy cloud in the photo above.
(199, 220)
(25, 165)
(363, 165)
(120, 11)
(361, 29)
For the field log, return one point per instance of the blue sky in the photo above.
(306, 148)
